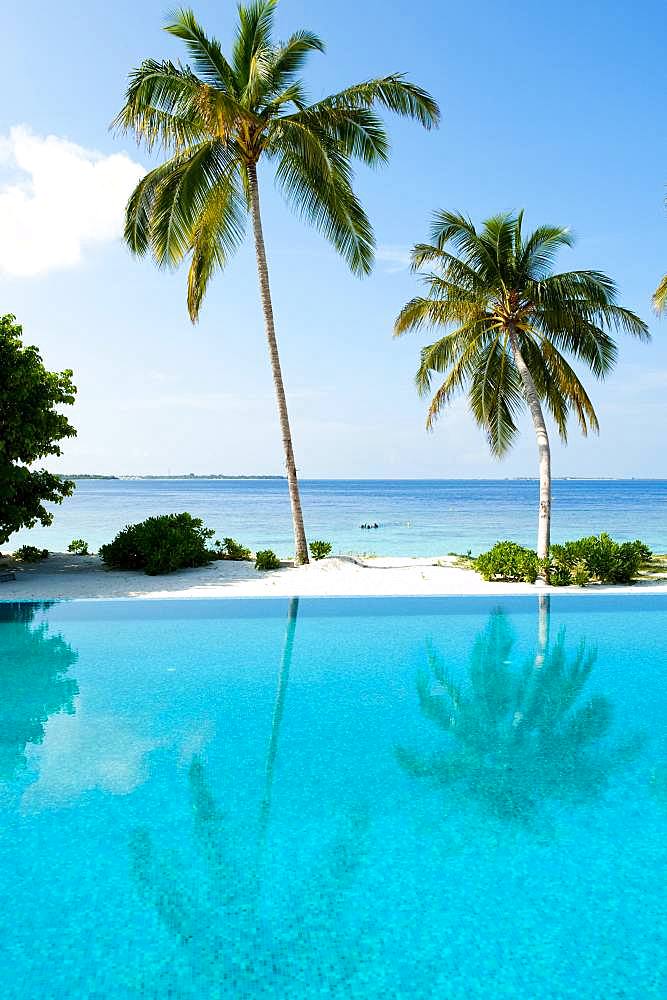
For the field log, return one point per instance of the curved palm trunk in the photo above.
(544, 451)
(300, 544)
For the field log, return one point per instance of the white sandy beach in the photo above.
(68, 577)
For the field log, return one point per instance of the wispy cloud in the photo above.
(395, 258)
(56, 198)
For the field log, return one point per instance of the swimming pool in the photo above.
(451, 798)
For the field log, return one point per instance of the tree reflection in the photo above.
(220, 903)
(34, 683)
(515, 739)
(210, 904)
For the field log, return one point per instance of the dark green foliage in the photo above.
(79, 547)
(229, 548)
(597, 557)
(508, 561)
(31, 554)
(160, 545)
(30, 429)
(267, 559)
(320, 550)
(515, 738)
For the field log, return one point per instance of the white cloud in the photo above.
(56, 198)
(396, 258)
(81, 752)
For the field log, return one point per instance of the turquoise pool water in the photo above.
(443, 798)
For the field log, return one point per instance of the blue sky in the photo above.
(557, 109)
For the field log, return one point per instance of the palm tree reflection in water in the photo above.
(213, 905)
(517, 739)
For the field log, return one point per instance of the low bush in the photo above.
(596, 557)
(78, 547)
(267, 559)
(31, 554)
(229, 548)
(508, 561)
(320, 550)
(160, 545)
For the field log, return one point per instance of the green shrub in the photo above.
(160, 545)
(31, 554)
(508, 561)
(229, 548)
(78, 547)
(596, 557)
(320, 550)
(266, 559)
(580, 575)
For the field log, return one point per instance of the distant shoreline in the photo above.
(305, 479)
(85, 475)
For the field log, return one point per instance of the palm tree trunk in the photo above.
(544, 451)
(300, 544)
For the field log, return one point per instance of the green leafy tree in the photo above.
(216, 119)
(513, 321)
(30, 429)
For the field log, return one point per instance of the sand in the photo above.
(67, 577)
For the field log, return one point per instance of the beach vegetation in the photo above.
(160, 544)
(508, 561)
(230, 549)
(597, 558)
(78, 547)
(512, 322)
(31, 429)
(266, 559)
(320, 550)
(215, 120)
(31, 554)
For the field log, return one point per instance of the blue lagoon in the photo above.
(360, 798)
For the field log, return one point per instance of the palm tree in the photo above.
(216, 120)
(513, 322)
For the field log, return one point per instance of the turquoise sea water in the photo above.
(432, 798)
(419, 517)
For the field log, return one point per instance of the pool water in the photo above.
(446, 798)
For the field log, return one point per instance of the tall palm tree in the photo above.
(216, 120)
(513, 321)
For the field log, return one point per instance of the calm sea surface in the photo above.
(415, 517)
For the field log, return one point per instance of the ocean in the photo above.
(414, 517)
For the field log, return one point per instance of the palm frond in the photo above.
(288, 59)
(252, 47)
(206, 54)
(322, 194)
(217, 234)
(395, 93)
(660, 296)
